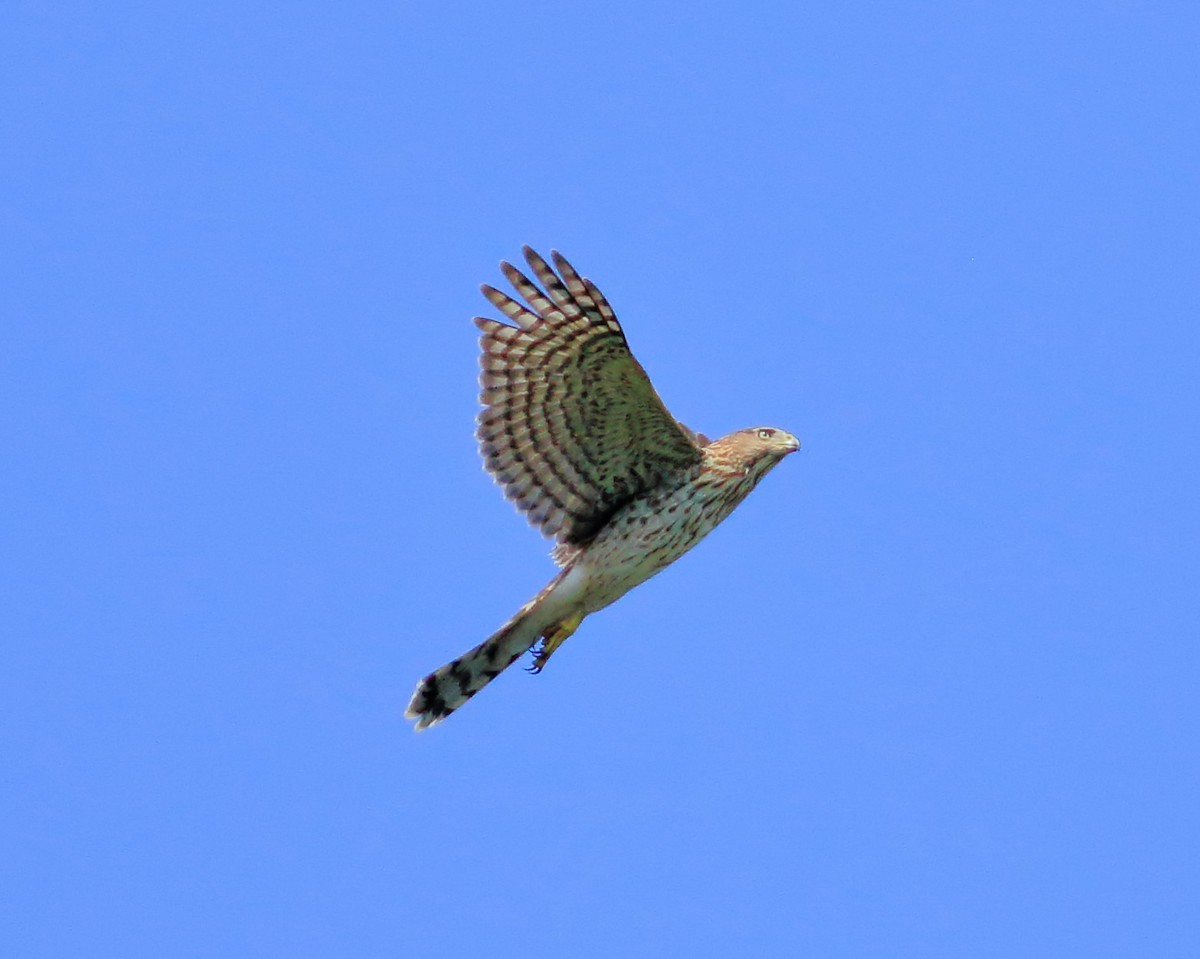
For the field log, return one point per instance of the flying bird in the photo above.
(578, 439)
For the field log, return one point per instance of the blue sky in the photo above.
(930, 692)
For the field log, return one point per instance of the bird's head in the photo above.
(758, 448)
(770, 441)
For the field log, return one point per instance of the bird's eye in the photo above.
(765, 434)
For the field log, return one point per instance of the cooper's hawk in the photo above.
(579, 440)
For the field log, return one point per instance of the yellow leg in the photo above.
(553, 637)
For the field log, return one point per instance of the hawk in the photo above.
(573, 431)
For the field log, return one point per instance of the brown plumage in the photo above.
(574, 432)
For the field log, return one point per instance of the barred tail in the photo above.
(445, 689)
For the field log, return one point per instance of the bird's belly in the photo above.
(635, 545)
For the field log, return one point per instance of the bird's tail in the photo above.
(445, 689)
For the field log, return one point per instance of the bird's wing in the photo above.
(571, 428)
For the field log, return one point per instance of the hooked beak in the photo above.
(793, 444)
